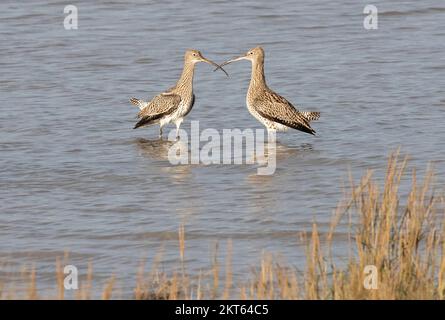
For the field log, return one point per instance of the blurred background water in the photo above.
(75, 176)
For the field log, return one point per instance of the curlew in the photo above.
(173, 105)
(268, 107)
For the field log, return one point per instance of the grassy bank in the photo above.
(398, 239)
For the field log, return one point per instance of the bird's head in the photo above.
(194, 56)
(253, 55)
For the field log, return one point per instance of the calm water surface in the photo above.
(75, 176)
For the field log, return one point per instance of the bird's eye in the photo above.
(194, 54)
(250, 52)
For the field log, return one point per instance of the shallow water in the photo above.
(75, 176)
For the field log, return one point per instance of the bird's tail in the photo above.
(138, 102)
(311, 115)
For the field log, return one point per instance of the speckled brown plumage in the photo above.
(161, 104)
(311, 115)
(172, 105)
(275, 108)
(271, 109)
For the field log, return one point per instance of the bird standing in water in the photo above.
(174, 104)
(268, 107)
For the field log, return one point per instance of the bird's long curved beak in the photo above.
(214, 64)
(243, 57)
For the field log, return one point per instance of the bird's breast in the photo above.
(185, 105)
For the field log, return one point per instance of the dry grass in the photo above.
(402, 237)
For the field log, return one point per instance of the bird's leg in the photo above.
(178, 124)
(160, 132)
(271, 136)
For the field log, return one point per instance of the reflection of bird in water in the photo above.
(173, 105)
(154, 149)
(268, 107)
(266, 189)
(187, 193)
(158, 150)
(306, 147)
(285, 151)
(279, 152)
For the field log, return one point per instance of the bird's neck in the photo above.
(185, 82)
(257, 79)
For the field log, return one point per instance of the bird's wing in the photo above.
(275, 108)
(191, 105)
(311, 115)
(161, 105)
